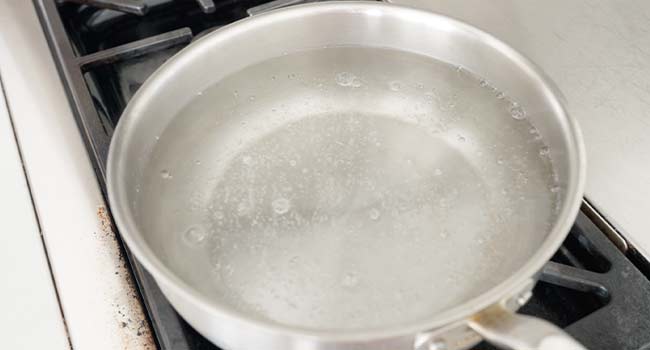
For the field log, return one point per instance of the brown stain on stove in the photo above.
(105, 222)
(131, 321)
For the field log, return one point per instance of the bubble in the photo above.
(350, 280)
(197, 162)
(555, 189)
(516, 111)
(444, 234)
(165, 174)
(461, 138)
(251, 98)
(199, 93)
(281, 206)
(501, 95)
(483, 83)
(348, 79)
(500, 161)
(292, 162)
(419, 86)
(242, 208)
(374, 214)
(194, 236)
(395, 85)
(544, 151)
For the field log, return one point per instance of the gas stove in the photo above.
(596, 287)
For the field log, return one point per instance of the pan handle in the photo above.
(509, 330)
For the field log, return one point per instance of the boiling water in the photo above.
(348, 188)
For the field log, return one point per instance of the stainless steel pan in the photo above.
(349, 175)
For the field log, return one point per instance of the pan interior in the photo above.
(347, 188)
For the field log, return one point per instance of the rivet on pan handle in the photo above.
(509, 330)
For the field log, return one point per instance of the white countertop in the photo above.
(28, 298)
(598, 53)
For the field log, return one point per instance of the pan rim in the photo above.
(505, 289)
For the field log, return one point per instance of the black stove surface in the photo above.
(590, 288)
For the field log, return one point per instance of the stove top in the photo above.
(596, 287)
